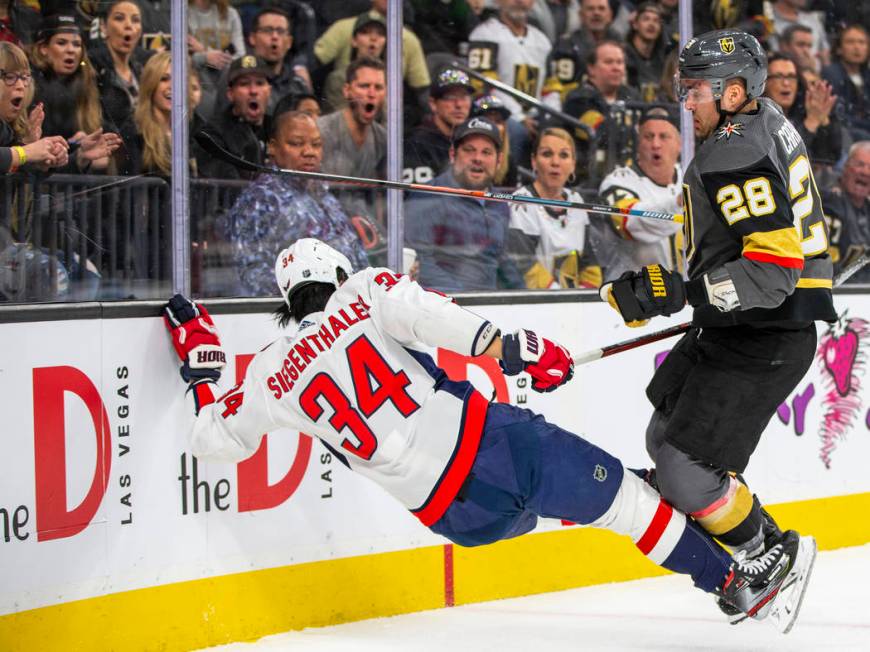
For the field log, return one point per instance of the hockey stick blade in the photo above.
(210, 145)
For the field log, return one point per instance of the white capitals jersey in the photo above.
(631, 242)
(353, 376)
(519, 61)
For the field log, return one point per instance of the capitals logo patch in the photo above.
(730, 129)
(726, 44)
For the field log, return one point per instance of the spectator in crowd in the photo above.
(18, 22)
(847, 209)
(593, 105)
(549, 244)
(354, 143)
(797, 41)
(654, 183)
(21, 141)
(813, 118)
(461, 241)
(493, 109)
(791, 12)
(849, 76)
(665, 91)
(572, 52)
(277, 209)
(118, 61)
(304, 102)
(444, 25)
(645, 50)
(671, 22)
(334, 48)
(215, 38)
(369, 40)
(241, 126)
(148, 135)
(66, 86)
(427, 147)
(271, 38)
(508, 48)
(566, 16)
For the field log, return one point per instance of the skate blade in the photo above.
(787, 604)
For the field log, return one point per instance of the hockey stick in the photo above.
(679, 329)
(210, 145)
(526, 99)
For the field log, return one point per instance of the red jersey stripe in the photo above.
(782, 261)
(656, 528)
(460, 467)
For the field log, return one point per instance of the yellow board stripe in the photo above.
(782, 243)
(815, 283)
(247, 606)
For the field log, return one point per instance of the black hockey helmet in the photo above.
(722, 55)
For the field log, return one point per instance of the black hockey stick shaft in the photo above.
(679, 329)
(210, 145)
(526, 99)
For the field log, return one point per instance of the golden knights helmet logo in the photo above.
(727, 44)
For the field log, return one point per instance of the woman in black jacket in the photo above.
(66, 86)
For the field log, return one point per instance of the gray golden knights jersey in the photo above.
(752, 210)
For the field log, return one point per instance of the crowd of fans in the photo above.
(86, 90)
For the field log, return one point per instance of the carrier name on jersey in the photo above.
(789, 137)
(302, 353)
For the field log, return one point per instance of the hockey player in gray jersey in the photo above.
(759, 277)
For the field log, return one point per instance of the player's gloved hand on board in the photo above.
(195, 339)
(549, 364)
(656, 291)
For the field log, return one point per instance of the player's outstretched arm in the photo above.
(195, 339)
(549, 364)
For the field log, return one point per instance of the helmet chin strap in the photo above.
(726, 115)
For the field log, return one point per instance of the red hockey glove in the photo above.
(549, 364)
(195, 339)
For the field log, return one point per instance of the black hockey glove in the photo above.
(650, 292)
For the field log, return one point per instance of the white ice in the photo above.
(662, 613)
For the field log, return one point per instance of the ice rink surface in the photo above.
(663, 613)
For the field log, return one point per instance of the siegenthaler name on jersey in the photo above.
(302, 352)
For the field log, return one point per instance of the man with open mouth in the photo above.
(240, 127)
(354, 143)
(847, 208)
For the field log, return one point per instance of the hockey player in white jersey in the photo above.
(354, 373)
(655, 183)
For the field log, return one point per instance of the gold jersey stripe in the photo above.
(782, 243)
(815, 283)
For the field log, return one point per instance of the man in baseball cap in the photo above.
(427, 147)
(460, 241)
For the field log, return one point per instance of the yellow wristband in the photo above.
(22, 155)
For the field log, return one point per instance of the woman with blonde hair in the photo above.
(148, 135)
(549, 245)
(66, 85)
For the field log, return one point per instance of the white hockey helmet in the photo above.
(307, 261)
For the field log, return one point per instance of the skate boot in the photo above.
(752, 584)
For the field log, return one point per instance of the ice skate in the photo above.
(752, 584)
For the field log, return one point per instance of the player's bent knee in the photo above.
(639, 512)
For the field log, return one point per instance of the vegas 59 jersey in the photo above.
(354, 376)
(752, 208)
